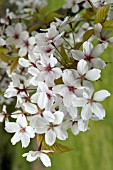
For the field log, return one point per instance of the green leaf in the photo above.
(56, 148)
(14, 65)
(65, 59)
(54, 5)
(50, 17)
(102, 14)
(108, 25)
(88, 34)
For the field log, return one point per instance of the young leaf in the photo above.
(88, 34)
(14, 65)
(65, 59)
(56, 148)
(108, 25)
(102, 14)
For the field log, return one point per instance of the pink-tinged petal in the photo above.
(86, 112)
(58, 117)
(93, 74)
(25, 139)
(75, 129)
(30, 131)
(50, 137)
(98, 63)
(98, 110)
(16, 138)
(12, 127)
(42, 100)
(82, 67)
(23, 62)
(22, 52)
(87, 48)
(101, 95)
(61, 133)
(98, 50)
(77, 55)
(21, 120)
(45, 159)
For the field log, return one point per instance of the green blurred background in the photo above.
(92, 150)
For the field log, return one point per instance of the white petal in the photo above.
(21, 120)
(22, 52)
(23, 62)
(16, 138)
(50, 137)
(98, 63)
(72, 111)
(82, 125)
(75, 129)
(77, 55)
(30, 108)
(43, 87)
(93, 74)
(45, 160)
(86, 112)
(42, 100)
(61, 133)
(87, 48)
(79, 102)
(98, 50)
(98, 110)
(82, 67)
(30, 131)
(49, 116)
(12, 127)
(31, 156)
(25, 139)
(58, 117)
(101, 95)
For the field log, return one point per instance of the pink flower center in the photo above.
(16, 36)
(71, 88)
(23, 130)
(88, 58)
(89, 101)
(48, 68)
(48, 95)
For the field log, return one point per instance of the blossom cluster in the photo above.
(51, 72)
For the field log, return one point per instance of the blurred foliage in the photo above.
(93, 150)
